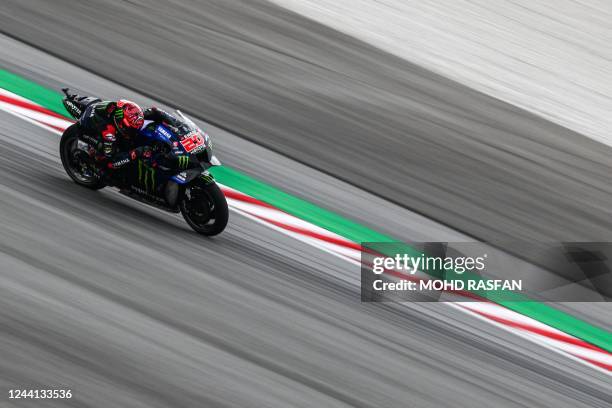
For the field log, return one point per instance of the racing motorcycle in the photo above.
(192, 191)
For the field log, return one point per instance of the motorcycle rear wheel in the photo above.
(76, 162)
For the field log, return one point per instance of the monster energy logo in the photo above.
(183, 162)
(146, 177)
(207, 177)
(119, 113)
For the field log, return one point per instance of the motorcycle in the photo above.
(192, 191)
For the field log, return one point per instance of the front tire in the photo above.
(76, 162)
(205, 209)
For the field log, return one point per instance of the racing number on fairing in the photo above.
(190, 143)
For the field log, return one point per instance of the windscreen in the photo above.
(185, 125)
(192, 137)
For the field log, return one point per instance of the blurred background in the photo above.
(429, 120)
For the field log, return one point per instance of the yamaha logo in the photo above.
(73, 107)
(121, 162)
(164, 132)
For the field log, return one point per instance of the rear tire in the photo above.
(205, 209)
(74, 160)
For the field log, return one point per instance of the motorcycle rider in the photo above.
(115, 124)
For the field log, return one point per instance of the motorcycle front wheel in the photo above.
(204, 208)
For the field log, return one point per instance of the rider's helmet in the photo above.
(128, 117)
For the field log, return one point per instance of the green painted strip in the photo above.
(32, 91)
(297, 207)
(358, 233)
(563, 321)
(327, 219)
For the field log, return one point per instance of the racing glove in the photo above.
(143, 152)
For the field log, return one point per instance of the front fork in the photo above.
(175, 193)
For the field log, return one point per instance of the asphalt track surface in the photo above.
(93, 300)
(390, 127)
(248, 319)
